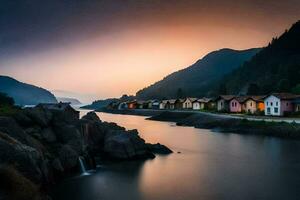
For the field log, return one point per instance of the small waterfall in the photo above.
(82, 166)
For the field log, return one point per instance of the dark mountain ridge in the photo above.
(23, 93)
(276, 68)
(200, 78)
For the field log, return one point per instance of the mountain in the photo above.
(276, 68)
(25, 94)
(98, 104)
(200, 78)
(73, 101)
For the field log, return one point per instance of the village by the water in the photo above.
(275, 104)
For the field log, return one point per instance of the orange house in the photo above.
(132, 105)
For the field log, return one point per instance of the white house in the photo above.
(162, 104)
(278, 104)
(188, 103)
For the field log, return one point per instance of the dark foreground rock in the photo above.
(40, 146)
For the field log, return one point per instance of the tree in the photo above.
(6, 100)
(253, 89)
(283, 85)
(179, 93)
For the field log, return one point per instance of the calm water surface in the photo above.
(212, 166)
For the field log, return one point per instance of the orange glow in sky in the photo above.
(124, 60)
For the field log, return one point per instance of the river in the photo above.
(211, 166)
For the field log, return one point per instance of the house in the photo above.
(237, 104)
(65, 110)
(179, 104)
(279, 104)
(254, 104)
(188, 103)
(122, 106)
(203, 103)
(142, 104)
(162, 104)
(170, 105)
(132, 104)
(153, 104)
(296, 103)
(223, 102)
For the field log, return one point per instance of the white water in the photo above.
(82, 167)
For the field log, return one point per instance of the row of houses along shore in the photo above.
(276, 104)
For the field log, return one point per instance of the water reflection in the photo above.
(211, 166)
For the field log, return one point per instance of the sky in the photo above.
(94, 49)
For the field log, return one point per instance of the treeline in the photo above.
(276, 68)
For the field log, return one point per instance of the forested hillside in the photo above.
(276, 68)
(200, 78)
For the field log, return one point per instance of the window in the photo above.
(275, 110)
(271, 103)
(267, 103)
(287, 104)
(235, 104)
(250, 104)
(276, 103)
(232, 104)
(268, 110)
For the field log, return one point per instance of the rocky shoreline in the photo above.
(39, 147)
(232, 125)
(221, 123)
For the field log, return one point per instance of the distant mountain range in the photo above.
(276, 68)
(73, 101)
(25, 94)
(200, 78)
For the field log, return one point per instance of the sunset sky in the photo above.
(95, 49)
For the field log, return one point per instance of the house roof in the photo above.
(172, 101)
(226, 97)
(258, 98)
(54, 106)
(242, 99)
(284, 96)
(191, 99)
(204, 100)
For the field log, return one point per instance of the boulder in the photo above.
(159, 149)
(39, 115)
(48, 135)
(91, 116)
(26, 159)
(68, 157)
(120, 144)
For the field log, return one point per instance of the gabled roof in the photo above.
(172, 101)
(284, 96)
(204, 100)
(226, 97)
(191, 99)
(242, 99)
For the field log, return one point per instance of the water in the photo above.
(82, 167)
(212, 166)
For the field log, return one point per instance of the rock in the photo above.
(69, 134)
(91, 116)
(68, 157)
(39, 115)
(123, 145)
(159, 149)
(23, 119)
(56, 164)
(9, 126)
(34, 131)
(48, 135)
(25, 158)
